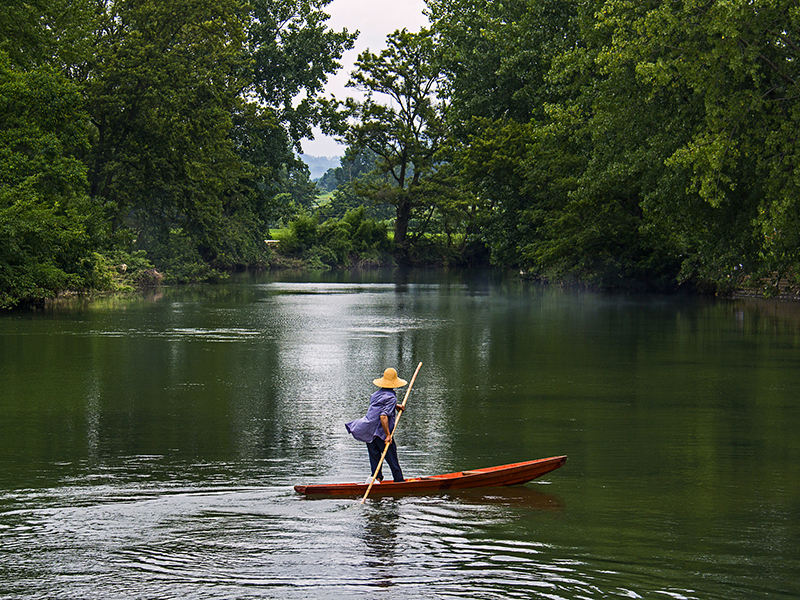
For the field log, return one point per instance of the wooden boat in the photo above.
(504, 475)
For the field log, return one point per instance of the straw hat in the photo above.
(389, 380)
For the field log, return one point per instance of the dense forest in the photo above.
(642, 145)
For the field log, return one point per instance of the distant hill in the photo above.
(318, 165)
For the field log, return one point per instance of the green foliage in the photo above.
(622, 143)
(191, 108)
(685, 103)
(296, 186)
(354, 239)
(742, 158)
(367, 235)
(328, 182)
(629, 143)
(49, 228)
(497, 55)
(44, 250)
(292, 51)
(161, 97)
(191, 101)
(57, 33)
(302, 234)
(335, 236)
(121, 271)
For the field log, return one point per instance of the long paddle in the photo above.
(386, 447)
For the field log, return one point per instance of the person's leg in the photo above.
(394, 463)
(375, 449)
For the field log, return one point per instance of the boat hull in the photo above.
(504, 475)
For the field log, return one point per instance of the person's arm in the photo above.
(385, 424)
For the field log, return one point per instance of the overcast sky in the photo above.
(374, 19)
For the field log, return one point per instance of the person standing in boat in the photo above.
(375, 428)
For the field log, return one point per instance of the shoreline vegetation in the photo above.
(640, 147)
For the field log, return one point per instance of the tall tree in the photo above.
(161, 89)
(192, 104)
(692, 109)
(495, 58)
(49, 228)
(292, 51)
(496, 55)
(402, 122)
(659, 142)
(741, 159)
(593, 160)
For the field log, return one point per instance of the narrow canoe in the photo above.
(513, 474)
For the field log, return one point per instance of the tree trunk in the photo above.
(401, 240)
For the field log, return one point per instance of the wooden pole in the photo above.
(386, 447)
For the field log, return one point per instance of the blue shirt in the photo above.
(382, 402)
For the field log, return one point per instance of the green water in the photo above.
(148, 446)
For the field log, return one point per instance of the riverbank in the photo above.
(147, 281)
(778, 287)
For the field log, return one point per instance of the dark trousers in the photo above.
(375, 449)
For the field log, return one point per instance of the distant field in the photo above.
(324, 199)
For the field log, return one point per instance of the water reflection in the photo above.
(380, 535)
(209, 543)
(517, 497)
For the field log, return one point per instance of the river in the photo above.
(149, 445)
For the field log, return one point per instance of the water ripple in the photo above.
(145, 541)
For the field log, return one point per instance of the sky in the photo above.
(374, 19)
